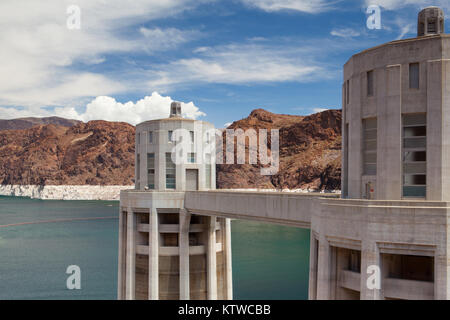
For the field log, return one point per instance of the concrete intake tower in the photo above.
(165, 252)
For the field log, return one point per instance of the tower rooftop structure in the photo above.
(175, 110)
(431, 21)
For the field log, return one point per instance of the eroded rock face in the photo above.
(310, 153)
(102, 153)
(94, 153)
(26, 123)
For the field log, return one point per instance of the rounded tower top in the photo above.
(430, 22)
(175, 110)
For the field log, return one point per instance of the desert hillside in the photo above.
(94, 153)
(68, 152)
(26, 123)
(310, 153)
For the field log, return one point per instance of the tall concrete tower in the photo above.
(387, 238)
(396, 117)
(165, 252)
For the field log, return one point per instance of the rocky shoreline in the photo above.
(65, 192)
(104, 193)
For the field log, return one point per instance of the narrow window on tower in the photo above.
(169, 136)
(345, 166)
(414, 155)
(347, 91)
(414, 76)
(344, 93)
(170, 172)
(431, 26)
(151, 170)
(208, 171)
(370, 146)
(191, 157)
(370, 89)
(150, 137)
(138, 171)
(191, 133)
(421, 29)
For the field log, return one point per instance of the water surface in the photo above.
(269, 261)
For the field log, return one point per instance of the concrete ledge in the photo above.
(408, 289)
(143, 250)
(386, 203)
(350, 280)
(175, 251)
(407, 249)
(142, 200)
(143, 228)
(175, 228)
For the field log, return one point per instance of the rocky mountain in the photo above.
(26, 123)
(310, 153)
(102, 153)
(94, 153)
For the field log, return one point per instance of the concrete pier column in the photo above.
(228, 260)
(153, 255)
(437, 127)
(441, 278)
(370, 261)
(313, 256)
(185, 221)
(120, 276)
(324, 276)
(211, 259)
(131, 255)
(354, 137)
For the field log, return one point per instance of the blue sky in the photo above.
(222, 59)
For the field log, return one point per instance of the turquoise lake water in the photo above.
(269, 261)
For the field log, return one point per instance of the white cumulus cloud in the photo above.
(107, 108)
(149, 108)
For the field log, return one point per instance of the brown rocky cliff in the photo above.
(310, 155)
(26, 123)
(94, 153)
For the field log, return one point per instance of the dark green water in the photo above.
(269, 262)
